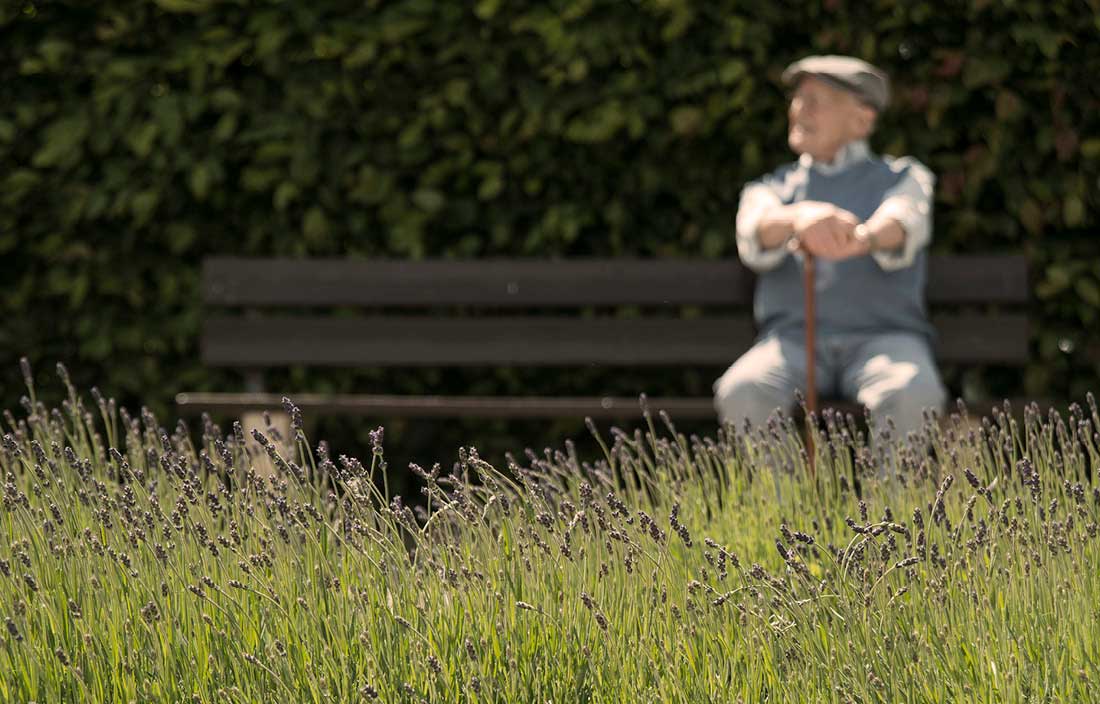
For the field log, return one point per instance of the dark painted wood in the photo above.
(390, 406)
(255, 341)
(977, 338)
(515, 341)
(489, 282)
(566, 283)
(978, 278)
(387, 406)
(508, 341)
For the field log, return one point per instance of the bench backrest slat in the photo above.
(500, 283)
(978, 278)
(497, 341)
(269, 341)
(490, 283)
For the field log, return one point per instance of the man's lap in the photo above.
(847, 363)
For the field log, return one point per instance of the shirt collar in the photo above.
(850, 154)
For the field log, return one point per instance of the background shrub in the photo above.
(137, 137)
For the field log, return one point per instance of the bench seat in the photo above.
(608, 313)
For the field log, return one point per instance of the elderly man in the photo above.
(867, 221)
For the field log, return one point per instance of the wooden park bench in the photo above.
(269, 313)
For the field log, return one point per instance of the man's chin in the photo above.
(798, 144)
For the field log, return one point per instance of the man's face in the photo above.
(823, 118)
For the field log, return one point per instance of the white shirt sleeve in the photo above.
(756, 199)
(910, 203)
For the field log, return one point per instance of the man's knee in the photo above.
(739, 397)
(919, 393)
(906, 404)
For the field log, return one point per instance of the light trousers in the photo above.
(893, 375)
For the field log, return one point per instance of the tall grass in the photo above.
(142, 565)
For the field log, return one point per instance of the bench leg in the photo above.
(280, 422)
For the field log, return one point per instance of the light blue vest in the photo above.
(854, 295)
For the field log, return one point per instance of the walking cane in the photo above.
(811, 357)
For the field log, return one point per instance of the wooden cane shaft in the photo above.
(811, 333)
(810, 308)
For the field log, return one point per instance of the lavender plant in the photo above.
(141, 564)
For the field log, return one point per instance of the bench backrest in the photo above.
(346, 312)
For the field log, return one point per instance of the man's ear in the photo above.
(865, 118)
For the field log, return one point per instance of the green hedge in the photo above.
(137, 137)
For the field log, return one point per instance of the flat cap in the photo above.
(867, 82)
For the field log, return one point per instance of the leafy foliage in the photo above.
(136, 137)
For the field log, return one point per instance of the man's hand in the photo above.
(822, 229)
(827, 231)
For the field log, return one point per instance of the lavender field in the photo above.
(144, 564)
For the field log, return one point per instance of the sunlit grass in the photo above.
(140, 566)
